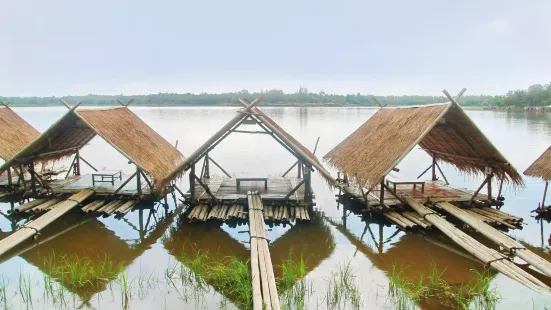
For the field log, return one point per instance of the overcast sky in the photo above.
(61, 47)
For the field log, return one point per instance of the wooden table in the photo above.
(239, 180)
(106, 176)
(404, 182)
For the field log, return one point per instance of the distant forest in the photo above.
(535, 95)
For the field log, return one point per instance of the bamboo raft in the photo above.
(487, 255)
(98, 207)
(263, 280)
(237, 212)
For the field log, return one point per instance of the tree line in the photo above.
(535, 95)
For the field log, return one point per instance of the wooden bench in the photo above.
(393, 183)
(239, 180)
(106, 176)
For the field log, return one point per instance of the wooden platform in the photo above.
(436, 191)
(225, 189)
(77, 183)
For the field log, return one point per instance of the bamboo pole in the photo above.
(31, 228)
(257, 297)
(499, 238)
(29, 205)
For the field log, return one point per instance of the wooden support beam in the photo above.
(294, 189)
(206, 188)
(299, 172)
(77, 162)
(433, 166)
(9, 176)
(86, 162)
(219, 167)
(478, 190)
(124, 183)
(33, 178)
(441, 173)
(489, 186)
(544, 194)
(192, 183)
(207, 167)
(307, 185)
(382, 193)
(71, 167)
(424, 171)
(139, 182)
(251, 132)
(291, 168)
(147, 180)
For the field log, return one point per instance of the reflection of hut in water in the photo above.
(15, 134)
(312, 242)
(541, 168)
(153, 156)
(415, 255)
(92, 244)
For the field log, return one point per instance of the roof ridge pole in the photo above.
(188, 160)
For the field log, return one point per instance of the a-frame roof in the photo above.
(250, 110)
(444, 130)
(15, 133)
(119, 127)
(541, 168)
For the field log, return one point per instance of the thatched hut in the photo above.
(153, 156)
(444, 131)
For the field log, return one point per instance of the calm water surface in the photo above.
(326, 244)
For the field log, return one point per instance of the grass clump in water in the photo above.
(80, 271)
(342, 289)
(477, 294)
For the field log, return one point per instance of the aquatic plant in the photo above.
(25, 290)
(342, 288)
(80, 271)
(3, 293)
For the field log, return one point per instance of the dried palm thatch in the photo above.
(16, 133)
(541, 168)
(442, 130)
(119, 127)
(133, 138)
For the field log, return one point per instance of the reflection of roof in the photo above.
(444, 130)
(119, 127)
(94, 241)
(15, 133)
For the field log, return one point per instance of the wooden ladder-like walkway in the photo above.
(263, 280)
(488, 256)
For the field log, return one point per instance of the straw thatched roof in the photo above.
(15, 133)
(444, 130)
(119, 127)
(541, 168)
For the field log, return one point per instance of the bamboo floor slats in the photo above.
(498, 237)
(263, 280)
(33, 227)
(232, 212)
(487, 255)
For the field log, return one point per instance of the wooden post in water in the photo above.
(9, 176)
(307, 184)
(382, 193)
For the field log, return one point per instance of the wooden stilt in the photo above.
(192, 183)
(544, 194)
(33, 178)
(77, 163)
(489, 186)
(9, 176)
(382, 193)
(433, 167)
(207, 167)
(139, 182)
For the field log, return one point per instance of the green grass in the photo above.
(476, 294)
(25, 288)
(342, 289)
(80, 271)
(3, 293)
